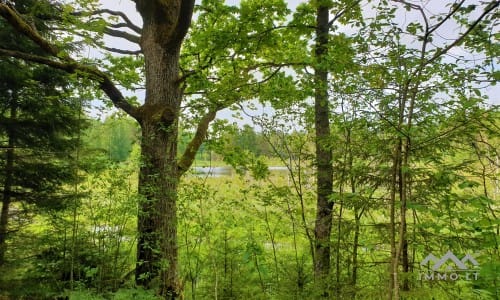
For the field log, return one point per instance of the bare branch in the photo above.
(491, 7)
(420, 9)
(128, 22)
(288, 26)
(97, 44)
(118, 25)
(276, 65)
(123, 34)
(121, 51)
(449, 15)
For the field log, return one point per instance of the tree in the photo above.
(408, 80)
(115, 137)
(165, 25)
(403, 91)
(324, 177)
(39, 126)
(328, 47)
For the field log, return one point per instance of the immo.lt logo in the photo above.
(449, 267)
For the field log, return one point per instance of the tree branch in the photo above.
(122, 51)
(275, 65)
(128, 22)
(123, 34)
(65, 62)
(458, 41)
(19, 24)
(118, 25)
(70, 68)
(73, 67)
(342, 12)
(449, 15)
(184, 21)
(186, 74)
(189, 154)
(97, 44)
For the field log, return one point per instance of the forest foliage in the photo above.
(409, 92)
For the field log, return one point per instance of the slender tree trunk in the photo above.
(394, 263)
(273, 244)
(403, 244)
(338, 289)
(400, 189)
(354, 275)
(4, 221)
(402, 247)
(8, 183)
(323, 224)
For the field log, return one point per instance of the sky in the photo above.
(431, 6)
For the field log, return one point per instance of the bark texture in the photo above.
(165, 25)
(323, 224)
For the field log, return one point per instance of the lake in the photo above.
(227, 171)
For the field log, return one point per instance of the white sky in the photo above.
(431, 6)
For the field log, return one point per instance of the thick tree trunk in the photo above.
(159, 175)
(323, 224)
(165, 24)
(157, 223)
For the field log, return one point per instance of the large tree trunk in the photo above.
(159, 175)
(165, 25)
(157, 223)
(323, 224)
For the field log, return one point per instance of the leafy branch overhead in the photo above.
(240, 38)
(379, 136)
(60, 59)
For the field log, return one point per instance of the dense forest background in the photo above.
(390, 105)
